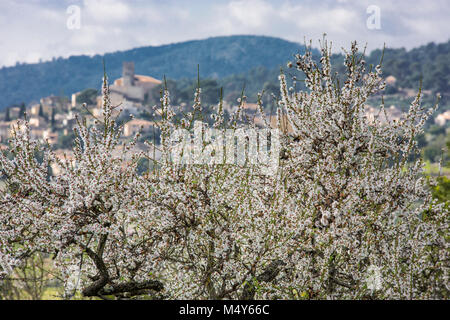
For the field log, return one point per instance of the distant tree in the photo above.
(22, 110)
(270, 90)
(433, 151)
(7, 115)
(270, 87)
(210, 91)
(232, 96)
(436, 130)
(143, 166)
(52, 120)
(88, 96)
(441, 191)
(391, 89)
(65, 141)
(41, 111)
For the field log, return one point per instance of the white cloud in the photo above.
(252, 13)
(339, 20)
(107, 11)
(32, 30)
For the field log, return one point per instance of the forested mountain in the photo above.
(232, 61)
(218, 57)
(430, 62)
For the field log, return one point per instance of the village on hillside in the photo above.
(52, 119)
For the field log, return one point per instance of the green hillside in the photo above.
(218, 57)
(233, 61)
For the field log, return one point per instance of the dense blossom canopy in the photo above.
(347, 213)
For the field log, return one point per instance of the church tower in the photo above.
(128, 74)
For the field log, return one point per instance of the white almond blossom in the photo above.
(346, 201)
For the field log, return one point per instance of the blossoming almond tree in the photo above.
(347, 214)
(362, 205)
(82, 216)
(227, 230)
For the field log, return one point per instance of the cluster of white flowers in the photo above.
(346, 215)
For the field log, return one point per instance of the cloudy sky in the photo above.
(33, 30)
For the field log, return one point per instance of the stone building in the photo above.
(391, 80)
(37, 121)
(442, 118)
(131, 87)
(132, 127)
